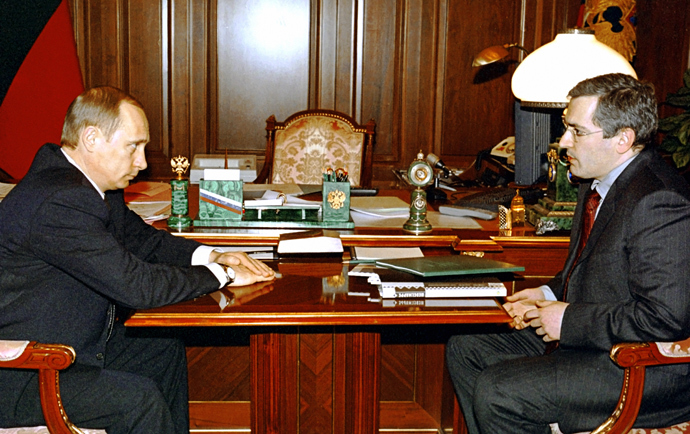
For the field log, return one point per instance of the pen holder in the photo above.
(179, 203)
(336, 201)
(220, 200)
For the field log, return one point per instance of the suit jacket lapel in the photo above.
(608, 207)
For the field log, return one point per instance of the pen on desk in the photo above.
(359, 294)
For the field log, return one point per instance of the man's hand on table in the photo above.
(247, 269)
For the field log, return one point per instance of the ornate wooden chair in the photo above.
(309, 141)
(634, 358)
(48, 360)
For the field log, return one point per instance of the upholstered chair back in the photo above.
(309, 142)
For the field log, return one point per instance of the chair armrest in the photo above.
(48, 359)
(651, 353)
(634, 358)
(32, 355)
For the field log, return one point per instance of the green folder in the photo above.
(433, 266)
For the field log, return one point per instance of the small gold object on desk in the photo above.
(420, 174)
(179, 206)
(517, 209)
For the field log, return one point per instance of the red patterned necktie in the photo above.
(592, 200)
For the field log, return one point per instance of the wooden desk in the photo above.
(542, 256)
(325, 366)
(308, 307)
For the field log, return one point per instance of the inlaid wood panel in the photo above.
(412, 378)
(398, 366)
(316, 383)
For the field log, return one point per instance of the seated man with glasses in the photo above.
(625, 279)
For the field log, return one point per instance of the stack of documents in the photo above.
(393, 212)
(312, 241)
(436, 277)
(396, 284)
(371, 254)
(151, 200)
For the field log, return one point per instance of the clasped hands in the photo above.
(247, 269)
(529, 308)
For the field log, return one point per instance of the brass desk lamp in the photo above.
(495, 53)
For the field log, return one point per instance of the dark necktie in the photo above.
(592, 200)
(591, 204)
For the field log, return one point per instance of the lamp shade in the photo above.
(490, 55)
(546, 76)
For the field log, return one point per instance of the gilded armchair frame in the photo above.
(48, 359)
(634, 358)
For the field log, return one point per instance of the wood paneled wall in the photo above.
(210, 72)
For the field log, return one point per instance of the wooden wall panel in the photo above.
(381, 76)
(144, 76)
(263, 68)
(344, 85)
(418, 46)
(186, 59)
(400, 79)
(663, 59)
(477, 109)
(103, 38)
(200, 71)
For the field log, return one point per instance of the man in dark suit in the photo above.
(631, 282)
(73, 256)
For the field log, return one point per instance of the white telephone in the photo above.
(505, 149)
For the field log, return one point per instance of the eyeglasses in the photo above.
(576, 133)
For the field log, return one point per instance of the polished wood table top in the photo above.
(311, 294)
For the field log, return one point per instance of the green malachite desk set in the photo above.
(221, 205)
(555, 210)
(179, 205)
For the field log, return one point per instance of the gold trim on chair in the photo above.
(48, 359)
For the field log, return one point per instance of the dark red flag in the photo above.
(39, 78)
